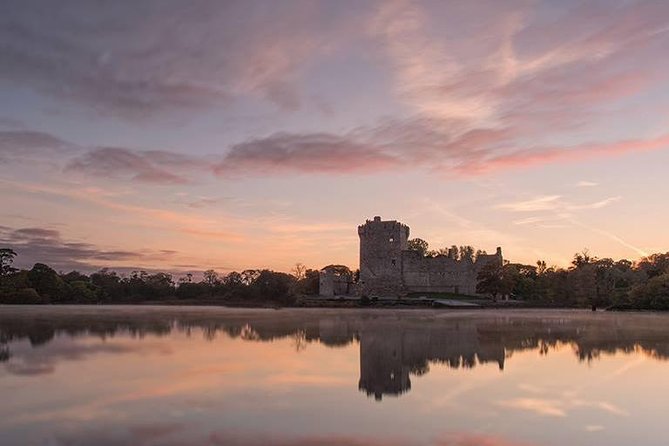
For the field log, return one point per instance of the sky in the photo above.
(184, 136)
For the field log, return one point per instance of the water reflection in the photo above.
(211, 376)
(393, 346)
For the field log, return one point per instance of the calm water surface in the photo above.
(212, 376)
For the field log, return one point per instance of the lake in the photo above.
(91, 375)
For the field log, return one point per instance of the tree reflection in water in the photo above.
(393, 344)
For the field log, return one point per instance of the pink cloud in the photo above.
(312, 153)
(528, 158)
(522, 79)
(129, 61)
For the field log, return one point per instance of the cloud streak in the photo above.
(396, 146)
(544, 203)
(46, 245)
(532, 157)
(560, 212)
(499, 93)
(152, 58)
(309, 153)
(26, 146)
(157, 167)
(560, 407)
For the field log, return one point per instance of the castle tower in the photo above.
(381, 246)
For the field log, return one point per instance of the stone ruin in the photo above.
(388, 268)
(336, 280)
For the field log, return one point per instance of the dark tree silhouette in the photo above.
(7, 256)
(589, 281)
(418, 245)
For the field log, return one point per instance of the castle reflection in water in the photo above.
(394, 345)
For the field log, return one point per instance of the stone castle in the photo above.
(389, 268)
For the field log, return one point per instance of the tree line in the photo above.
(588, 282)
(42, 285)
(462, 253)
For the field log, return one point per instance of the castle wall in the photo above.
(332, 282)
(388, 268)
(439, 274)
(325, 284)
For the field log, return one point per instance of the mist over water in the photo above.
(194, 375)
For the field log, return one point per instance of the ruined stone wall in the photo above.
(484, 259)
(325, 284)
(439, 274)
(388, 268)
(442, 274)
(332, 281)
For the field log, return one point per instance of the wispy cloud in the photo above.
(529, 221)
(560, 407)
(130, 61)
(415, 144)
(499, 94)
(27, 146)
(540, 406)
(534, 79)
(611, 236)
(551, 203)
(596, 205)
(544, 203)
(152, 217)
(538, 156)
(158, 167)
(314, 153)
(556, 212)
(46, 245)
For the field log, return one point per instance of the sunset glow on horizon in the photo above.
(185, 136)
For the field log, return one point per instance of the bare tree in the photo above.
(299, 271)
(210, 277)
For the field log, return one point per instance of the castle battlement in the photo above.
(389, 268)
(377, 225)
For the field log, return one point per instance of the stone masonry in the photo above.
(389, 268)
(336, 280)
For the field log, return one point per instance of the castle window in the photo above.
(391, 239)
(393, 261)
